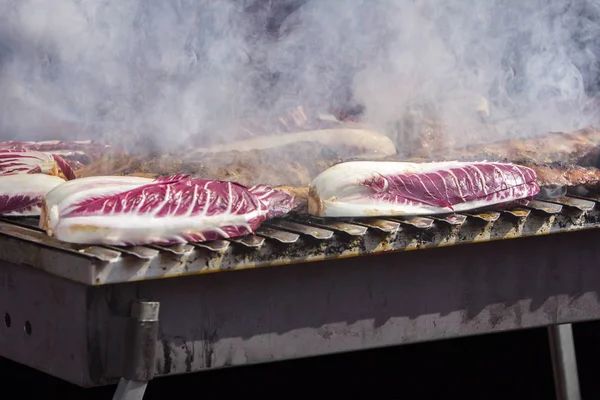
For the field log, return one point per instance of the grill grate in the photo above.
(298, 238)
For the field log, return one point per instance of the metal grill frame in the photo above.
(78, 332)
(68, 306)
(290, 240)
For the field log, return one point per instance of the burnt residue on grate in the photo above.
(297, 238)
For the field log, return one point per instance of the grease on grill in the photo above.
(382, 225)
(490, 216)
(417, 222)
(339, 226)
(312, 231)
(251, 241)
(218, 246)
(545, 207)
(580, 204)
(101, 253)
(517, 212)
(280, 236)
(454, 219)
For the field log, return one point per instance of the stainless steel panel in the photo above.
(44, 322)
(267, 315)
(78, 332)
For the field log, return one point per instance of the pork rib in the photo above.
(581, 147)
(360, 189)
(168, 210)
(557, 178)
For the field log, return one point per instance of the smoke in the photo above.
(166, 74)
(444, 57)
(133, 71)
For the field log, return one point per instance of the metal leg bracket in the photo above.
(564, 362)
(138, 368)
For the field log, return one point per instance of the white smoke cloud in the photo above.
(159, 73)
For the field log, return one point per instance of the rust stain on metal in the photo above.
(167, 360)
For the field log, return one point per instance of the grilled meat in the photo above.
(557, 178)
(562, 161)
(580, 148)
(77, 154)
(564, 174)
(141, 165)
(289, 165)
(300, 147)
(559, 159)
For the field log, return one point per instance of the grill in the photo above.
(70, 315)
(292, 239)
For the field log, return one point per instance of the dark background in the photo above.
(514, 365)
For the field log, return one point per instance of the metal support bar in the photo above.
(141, 351)
(564, 362)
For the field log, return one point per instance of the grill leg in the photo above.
(138, 368)
(130, 390)
(564, 362)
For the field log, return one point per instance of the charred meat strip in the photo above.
(76, 154)
(578, 148)
(289, 165)
(558, 178)
(564, 174)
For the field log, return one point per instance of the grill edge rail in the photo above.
(293, 239)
